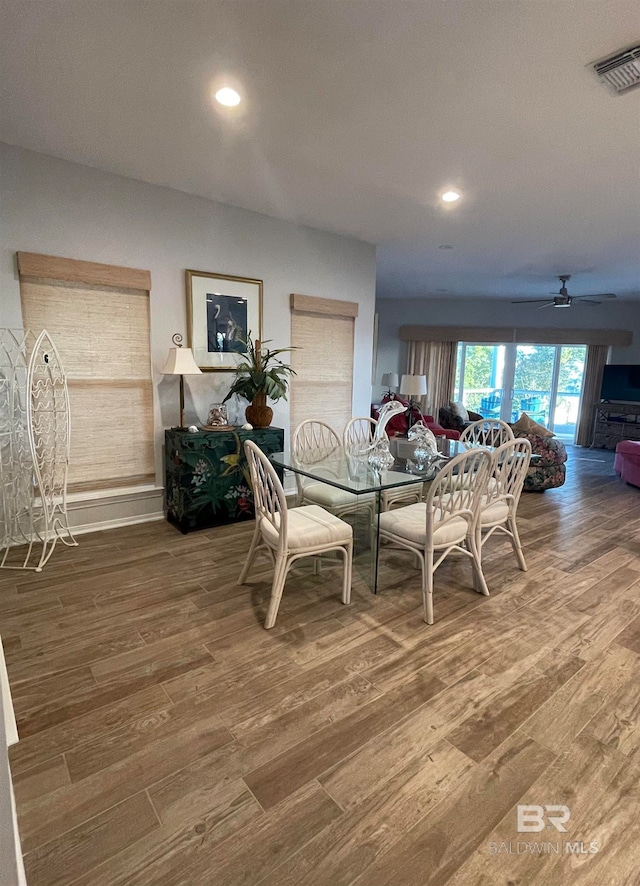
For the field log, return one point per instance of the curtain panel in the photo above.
(437, 361)
(591, 384)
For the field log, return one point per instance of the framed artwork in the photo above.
(221, 312)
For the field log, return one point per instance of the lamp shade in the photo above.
(390, 379)
(414, 385)
(180, 362)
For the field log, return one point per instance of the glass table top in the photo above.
(353, 473)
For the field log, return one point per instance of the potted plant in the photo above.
(260, 375)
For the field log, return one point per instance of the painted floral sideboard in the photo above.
(207, 476)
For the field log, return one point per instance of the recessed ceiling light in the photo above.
(228, 97)
(450, 196)
(445, 246)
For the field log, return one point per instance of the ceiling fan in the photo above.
(562, 299)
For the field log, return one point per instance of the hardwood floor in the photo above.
(166, 738)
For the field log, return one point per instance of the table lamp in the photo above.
(413, 386)
(180, 362)
(390, 380)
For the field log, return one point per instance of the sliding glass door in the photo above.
(533, 379)
(503, 381)
(568, 389)
(480, 377)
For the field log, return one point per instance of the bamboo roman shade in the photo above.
(323, 332)
(101, 332)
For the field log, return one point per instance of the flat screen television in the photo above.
(621, 382)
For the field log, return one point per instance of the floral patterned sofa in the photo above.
(548, 457)
(548, 454)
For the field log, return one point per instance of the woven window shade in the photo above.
(323, 385)
(102, 336)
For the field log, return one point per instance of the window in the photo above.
(100, 327)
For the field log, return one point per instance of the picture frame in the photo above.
(221, 311)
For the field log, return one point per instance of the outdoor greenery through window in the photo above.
(503, 381)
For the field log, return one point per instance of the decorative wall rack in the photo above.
(34, 450)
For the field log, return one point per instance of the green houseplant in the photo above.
(260, 375)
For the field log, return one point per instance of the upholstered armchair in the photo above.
(548, 454)
(547, 469)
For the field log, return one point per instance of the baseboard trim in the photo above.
(117, 523)
(122, 508)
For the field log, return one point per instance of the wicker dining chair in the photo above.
(487, 432)
(510, 463)
(312, 442)
(286, 534)
(445, 522)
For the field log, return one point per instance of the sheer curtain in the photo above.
(591, 384)
(436, 360)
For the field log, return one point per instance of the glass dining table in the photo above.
(366, 483)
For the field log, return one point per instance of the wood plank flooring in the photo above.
(167, 738)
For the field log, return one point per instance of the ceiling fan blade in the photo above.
(549, 304)
(530, 301)
(598, 295)
(586, 301)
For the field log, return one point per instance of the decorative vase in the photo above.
(258, 413)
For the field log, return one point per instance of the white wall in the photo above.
(394, 313)
(8, 853)
(58, 208)
(11, 865)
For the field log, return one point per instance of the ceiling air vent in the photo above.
(620, 71)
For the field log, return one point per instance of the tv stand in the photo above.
(615, 422)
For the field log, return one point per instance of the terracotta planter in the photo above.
(258, 413)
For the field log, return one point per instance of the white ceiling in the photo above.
(357, 113)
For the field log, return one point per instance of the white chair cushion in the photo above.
(408, 495)
(411, 523)
(494, 513)
(309, 526)
(331, 497)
